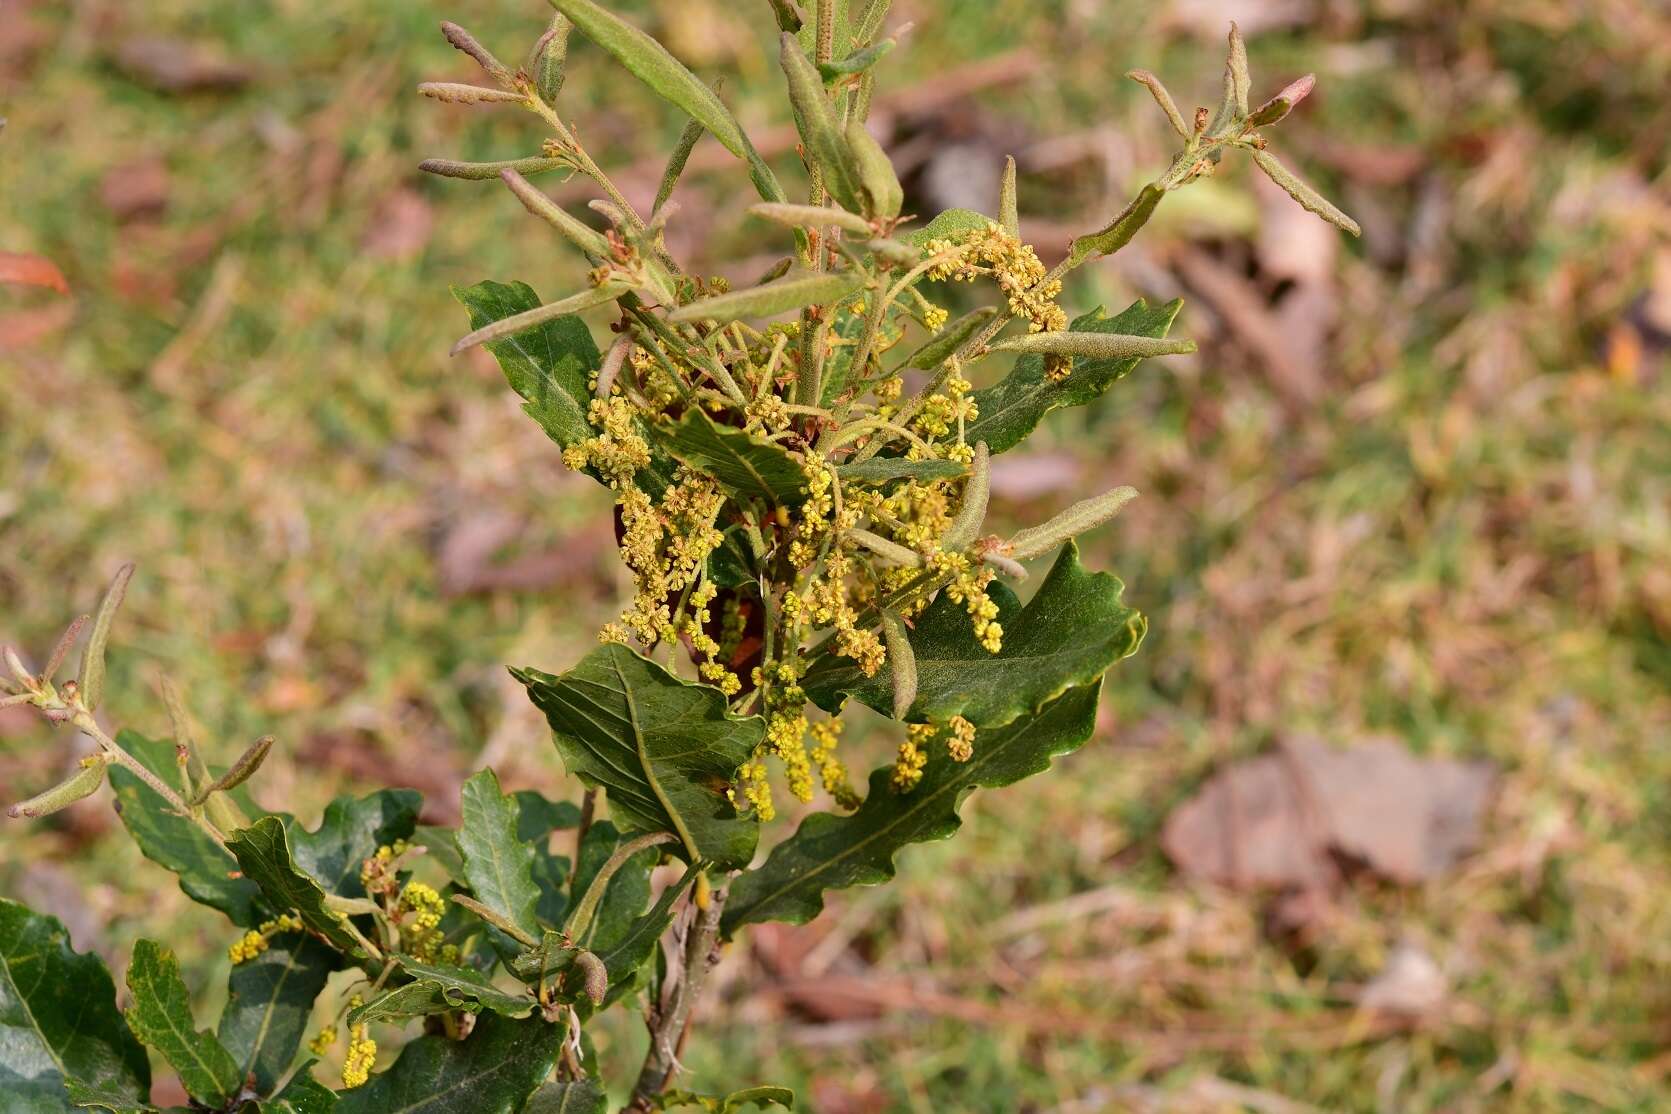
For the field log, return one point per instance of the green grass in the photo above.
(1464, 544)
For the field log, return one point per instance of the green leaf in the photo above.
(58, 1019)
(825, 147)
(886, 469)
(268, 1002)
(160, 1016)
(832, 852)
(637, 945)
(207, 872)
(1309, 199)
(950, 225)
(762, 1097)
(91, 677)
(857, 62)
(498, 866)
(731, 565)
(665, 750)
(793, 291)
(549, 366)
(437, 988)
(1010, 410)
(81, 1094)
(302, 1095)
(746, 464)
(611, 291)
(1095, 346)
(350, 832)
(537, 817)
(1066, 636)
(492, 1071)
(649, 61)
(949, 339)
(263, 853)
(1122, 228)
(580, 1096)
(626, 894)
(441, 845)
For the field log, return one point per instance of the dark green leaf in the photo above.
(666, 751)
(580, 1096)
(549, 366)
(637, 945)
(263, 853)
(885, 469)
(742, 462)
(350, 832)
(81, 1094)
(730, 565)
(492, 1071)
(58, 1019)
(537, 817)
(268, 1002)
(205, 868)
(302, 1095)
(831, 852)
(1010, 410)
(441, 845)
(626, 894)
(160, 1016)
(437, 988)
(1066, 636)
(498, 866)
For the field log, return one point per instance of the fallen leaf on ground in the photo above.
(1288, 818)
(135, 189)
(179, 65)
(399, 227)
(1411, 984)
(24, 269)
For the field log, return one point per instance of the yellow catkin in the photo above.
(362, 1056)
(322, 1042)
(960, 740)
(255, 941)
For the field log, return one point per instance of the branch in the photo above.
(668, 1030)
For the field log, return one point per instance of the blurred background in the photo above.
(1378, 819)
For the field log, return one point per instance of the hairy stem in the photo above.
(668, 1029)
(86, 723)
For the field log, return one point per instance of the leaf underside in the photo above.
(550, 365)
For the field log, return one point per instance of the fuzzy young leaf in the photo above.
(1066, 636)
(577, 1096)
(742, 462)
(1122, 228)
(832, 852)
(1309, 199)
(550, 367)
(497, 864)
(951, 338)
(492, 1071)
(553, 59)
(77, 787)
(439, 988)
(208, 874)
(58, 1019)
(825, 145)
(1083, 517)
(813, 216)
(950, 224)
(1279, 106)
(481, 171)
(857, 62)
(533, 318)
(160, 1016)
(1010, 410)
(1009, 214)
(885, 469)
(91, 678)
(1095, 346)
(268, 1001)
(794, 291)
(878, 183)
(666, 751)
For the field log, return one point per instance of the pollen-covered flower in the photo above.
(362, 1056)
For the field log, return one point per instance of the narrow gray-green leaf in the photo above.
(91, 679)
(1279, 106)
(950, 339)
(1011, 409)
(1122, 228)
(492, 1071)
(793, 291)
(1008, 213)
(857, 62)
(1096, 346)
(742, 462)
(268, 1002)
(821, 135)
(965, 526)
(481, 171)
(665, 751)
(591, 242)
(1065, 637)
(160, 1016)
(650, 62)
(813, 216)
(550, 367)
(1167, 105)
(676, 163)
(829, 851)
(80, 785)
(539, 315)
(1309, 199)
(498, 866)
(1082, 517)
(886, 469)
(58, 1019)
(550, 66)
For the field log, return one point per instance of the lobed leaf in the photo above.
(745, 463)
(58, 1020)
(833, 852)
(268, 1002)
(665, 750)
(1065, 637)
(492, 1071)
(577, 1096)
(550, 367)
(498, 865)
(264, 855)
(160, 1016)
(1011, 409)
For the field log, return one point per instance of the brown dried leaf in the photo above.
(135, 189)
(1283, 819)
(178, 65)
(400, 226)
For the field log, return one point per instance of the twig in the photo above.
(661, 1060)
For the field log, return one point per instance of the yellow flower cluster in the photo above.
(827, 603)
(321, 1043)
(961, 742)
(362, 1056)
(826, 735)
(814, 523)
(377, 872)
(666, 547)
(947, 408)
(1013, 264)
(968, 587)
(254, 942)
(421, 909)
(617, 453)
(912, 757)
